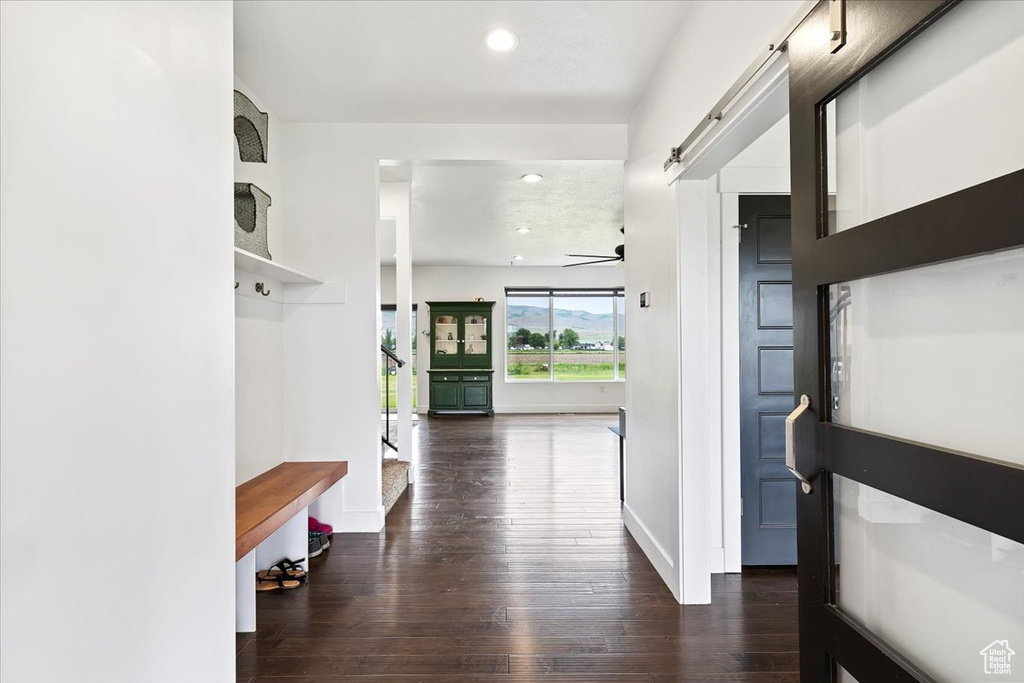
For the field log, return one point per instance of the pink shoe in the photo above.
(315, 525)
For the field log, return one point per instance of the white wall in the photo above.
(259, 332)
(332, 353)
(715, 43)
(116, 353)
(762, 167)
(440, 283)
(259, 377)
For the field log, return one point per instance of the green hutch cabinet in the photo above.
(461, 348)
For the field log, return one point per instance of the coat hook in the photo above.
(236, 285)
(262, 289)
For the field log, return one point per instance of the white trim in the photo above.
(362, 521)
(507, 380)
(692, 198)
(245, 593)
(265, 268)
(730, 350)
(654, 551)
(551, 337)
(558, 408)
(716, 484)
(717, 560)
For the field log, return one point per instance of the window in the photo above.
(388, 338)
(565, 335)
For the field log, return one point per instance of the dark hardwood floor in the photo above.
(507, 561)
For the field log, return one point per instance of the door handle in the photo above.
(796, 437)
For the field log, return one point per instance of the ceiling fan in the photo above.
(620, 255)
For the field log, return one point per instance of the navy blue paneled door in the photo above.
(766, 380)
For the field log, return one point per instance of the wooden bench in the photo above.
(273, 502)
(265, 503)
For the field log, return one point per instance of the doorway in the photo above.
(768, 490)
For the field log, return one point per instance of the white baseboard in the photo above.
(362, 521)
(716, 558)
(546, 409)
(663, 563)
(557, 408)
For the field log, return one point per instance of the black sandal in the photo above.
(273, 583)
(286, 567)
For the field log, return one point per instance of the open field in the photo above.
(569, 365)
(390, 400)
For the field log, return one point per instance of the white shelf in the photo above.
(250, 263)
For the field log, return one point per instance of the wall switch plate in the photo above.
(645, 299)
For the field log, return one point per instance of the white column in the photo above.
(395, 202)
(403, 294)
(245, 593)
(694, 556)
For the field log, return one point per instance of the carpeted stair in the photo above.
(394, 481)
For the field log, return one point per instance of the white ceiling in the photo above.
(467, 213)
(425, 61)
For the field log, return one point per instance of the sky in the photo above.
(590, 304)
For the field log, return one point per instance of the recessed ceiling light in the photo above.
(523, 230)
(517, 258)
(501, 40)
(532, 178)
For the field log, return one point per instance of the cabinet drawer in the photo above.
(454, 377)
(476, 378)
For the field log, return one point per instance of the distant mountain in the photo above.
(589, 326)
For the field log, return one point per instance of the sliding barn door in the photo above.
(908, 290)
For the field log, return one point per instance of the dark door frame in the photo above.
(975, 490)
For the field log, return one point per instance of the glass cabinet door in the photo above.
(446, 341)
(476, 340)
